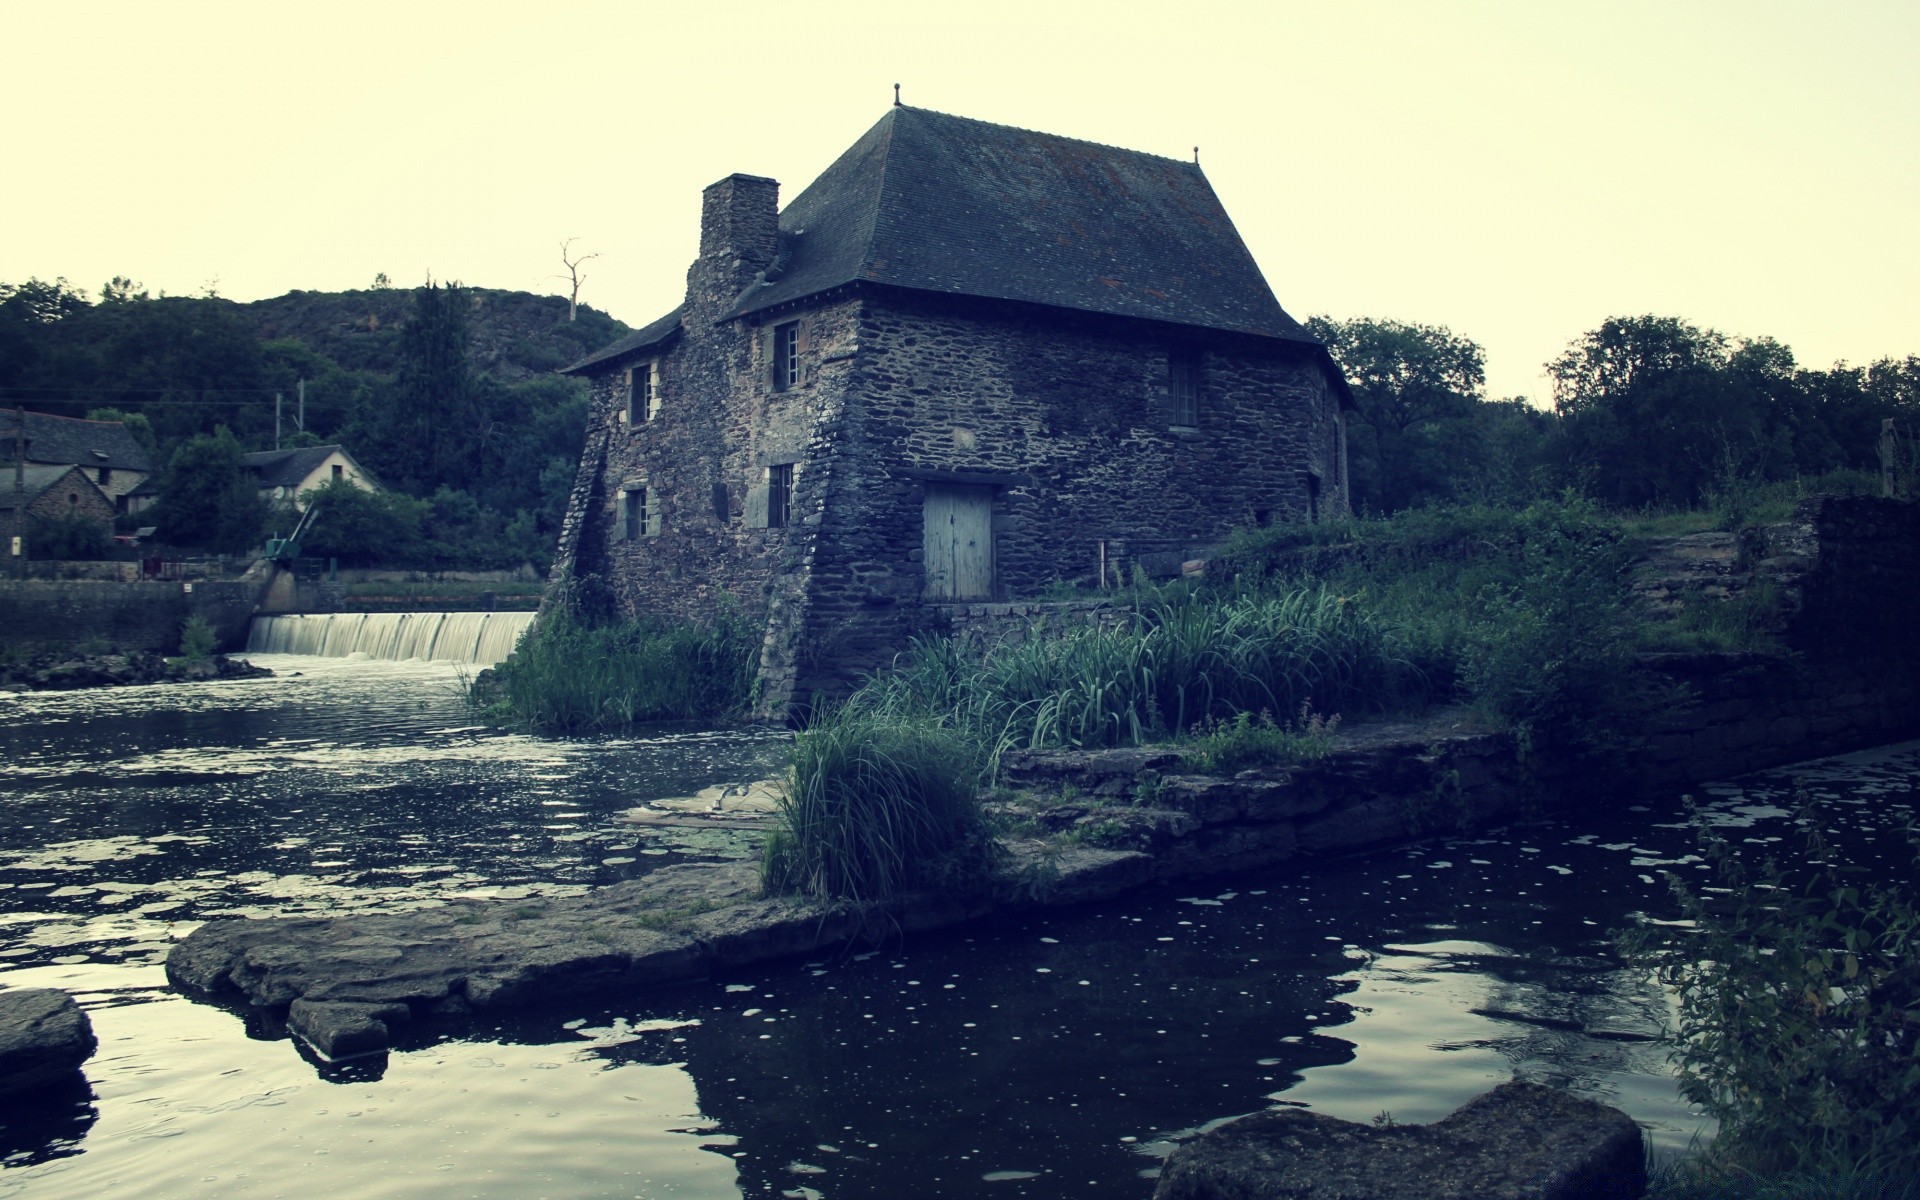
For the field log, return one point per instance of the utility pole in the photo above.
(276, 420)
(302, 418)
(19, 546)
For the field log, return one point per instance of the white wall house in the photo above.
(289, 474)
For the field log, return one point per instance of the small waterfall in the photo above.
(480, 638)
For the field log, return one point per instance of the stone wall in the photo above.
(44, 614)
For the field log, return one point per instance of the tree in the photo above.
(207, 499)
(1411, 438)
(433, 427)
(574, 277)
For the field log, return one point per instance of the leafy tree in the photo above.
(68, 538)
(137, 424)
(362, 528)
(434, 426)
(207, 499)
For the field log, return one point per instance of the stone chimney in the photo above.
(740, 222)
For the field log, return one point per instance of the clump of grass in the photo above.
(197, 639)
(1749, 622)
(1799, 1011)
(567, 676)
(1226, 746)
(876, 804)
(1188, 659)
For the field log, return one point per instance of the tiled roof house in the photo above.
(966, 361)
(112, 458)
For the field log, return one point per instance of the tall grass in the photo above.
(875, 804)
(570, 677)
(1171, 666)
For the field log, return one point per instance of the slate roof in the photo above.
(946, 204)
(659, 333)
(70, 440)
(287, 468)
(37, 480)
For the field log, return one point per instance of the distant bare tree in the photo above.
(573, 275)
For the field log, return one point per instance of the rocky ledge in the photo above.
(1520, 1141)
(346, 983)
(44, 1038)
(54, 673)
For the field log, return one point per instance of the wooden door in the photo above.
(958, 542)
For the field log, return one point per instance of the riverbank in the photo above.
(1086, 825)
(50, 671)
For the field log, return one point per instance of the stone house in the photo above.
(966, 362)
(289, 474)
(106, 451)
(49, 493)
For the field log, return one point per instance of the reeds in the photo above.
(875, 804)
(568, 677)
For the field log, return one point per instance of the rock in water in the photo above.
(1520, 1141)
(44, 1037)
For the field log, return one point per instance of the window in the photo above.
(786, 356)
(106, 476)
(339, 472)
(643, 393)
(1183, 387)
(779, 495)
(639, 514)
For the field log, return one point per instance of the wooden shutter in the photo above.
(767, 365)
(653, 511)
(803, 342)
(620, 515)
(756, 514)
(721, 503)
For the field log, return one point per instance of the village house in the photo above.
(968, 361)
(53, 494)
(106, 451)
(287, 475)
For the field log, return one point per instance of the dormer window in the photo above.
(786, 356)
(643, 392)
(1183, 387)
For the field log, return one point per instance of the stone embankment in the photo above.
(1520, 1141)
(48, 672)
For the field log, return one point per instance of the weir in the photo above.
(480, 638)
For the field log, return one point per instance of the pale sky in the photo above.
(1515, 171)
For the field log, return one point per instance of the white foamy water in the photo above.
(480, 638)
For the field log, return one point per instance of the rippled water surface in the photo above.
(1053, 1056)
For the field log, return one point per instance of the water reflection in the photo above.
(1057, 1055)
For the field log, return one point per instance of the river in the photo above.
(1057, 1055)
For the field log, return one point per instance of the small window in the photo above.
(779, 495)
(639, 514)
(105, 476)
(1183, 387)
(786, 356)
(339, 472)
(643, 393)
(1313, 495)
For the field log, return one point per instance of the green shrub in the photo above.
(197, 638)
(1799, 1008)
(570, 677)
(1226, 746)
(875, 804)
(73, 538)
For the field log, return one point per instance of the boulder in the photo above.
(44, 1037)
(344, 1030)
(1520, 1141)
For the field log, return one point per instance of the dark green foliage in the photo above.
(359, 528)
(877, 803)
(73, 538)
(492, 428)
(197, 638)
(207, 499)
(1174, 664)
(570, 677)
(1223, 747)
(1799, 1007)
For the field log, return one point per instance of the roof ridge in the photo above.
(1058, 137)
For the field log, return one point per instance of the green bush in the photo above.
(1223, 747)
(878, 803)
(197, 638)
(570, 677)
(67, 539)
(1799, 1009)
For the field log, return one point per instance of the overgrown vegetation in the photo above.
(1799, 1017)
(568, 676)
(1223, 747)
(197, 639)
(876, 803)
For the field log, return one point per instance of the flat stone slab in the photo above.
(1520, 1141)
(729, 804)
(44, 1038)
